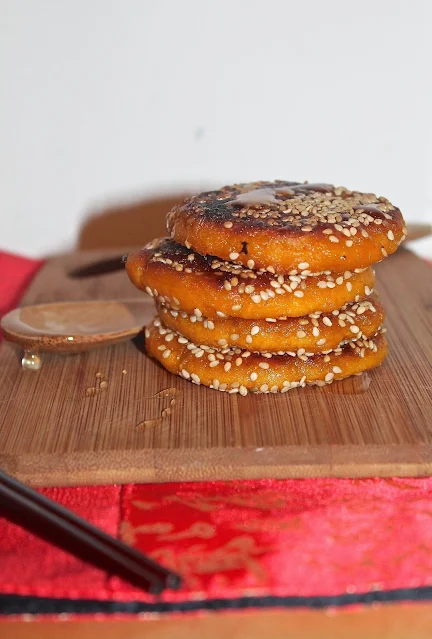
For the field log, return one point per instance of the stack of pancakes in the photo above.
(268, 286)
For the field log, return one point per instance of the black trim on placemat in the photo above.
(17, 605)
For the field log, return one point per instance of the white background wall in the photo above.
(104, 100)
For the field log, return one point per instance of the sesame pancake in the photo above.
(318, 332)
(240, 371)
(289, 225)
(209, 287)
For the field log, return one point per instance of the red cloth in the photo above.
(243, 538)
(15, 275)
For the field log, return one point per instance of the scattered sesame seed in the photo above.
(254, 377)
(228, 225)
(216, 362)
(298, 293)
(233, 256)
(263, 365)
(255, 330)
(336, 370)
(390, 235)
(327, 321)
(354, 329)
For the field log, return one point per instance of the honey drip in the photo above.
(171, 393)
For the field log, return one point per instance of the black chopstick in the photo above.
(54, 523)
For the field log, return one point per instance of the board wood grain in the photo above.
(52, 433)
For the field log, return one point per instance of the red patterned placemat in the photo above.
(230, 540)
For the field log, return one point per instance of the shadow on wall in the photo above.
(132, 224)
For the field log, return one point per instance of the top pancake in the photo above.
(289, 225)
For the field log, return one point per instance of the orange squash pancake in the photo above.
(289, 225)
(241, 371)
(315, 333)
(209, 287)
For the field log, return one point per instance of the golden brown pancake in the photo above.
(209, 287)
(289, 225)
(318, 332)
(240, 371)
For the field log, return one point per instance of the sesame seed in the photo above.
(227, 366)
(166, 353)
(234, 337)
(228, 225)
(315, 331)
(197, 312)
(384, 252)
(339, 280)
(349, 243)
(227, 285)
(348, 286)
(329, 377)
(236, 307)
(184, 373)
(301, 334)
(254, 377)
(354, 329)
(390, 235)
(147, 333)
(298, 293)
(303, 265)
(238, 361)
(195, 378)
(367, 290)
(233, 256)
(169, 337)
(222, 342)
(210, 325)
(263, 365)
(321, 341)
(149, 291)
(250, 264)
(216, 362)
(255, 330)
(162, 347)
(336, 370)
(249, 339)
(243, 390)
(264, 388)
(333, 238)
(256, 298)
(327, 321)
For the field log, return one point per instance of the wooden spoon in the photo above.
(71, 327)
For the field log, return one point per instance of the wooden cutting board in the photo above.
(52, 433)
